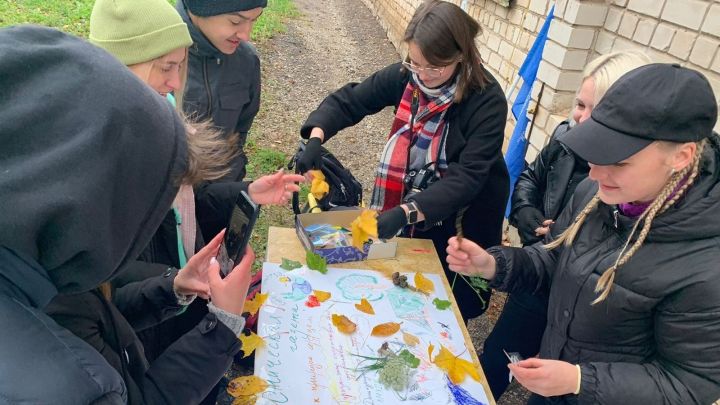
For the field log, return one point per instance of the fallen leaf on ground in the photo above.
(423, 284)
(455, 367)
(343, 324)
(253, 305)
(316, 262)
(246, 386)
(364, 306)
(288, 264)
(410, 340)
(385, 329)
(363, 227)
(319, 187)
(250, 343)
(441, 304)
(322, 296)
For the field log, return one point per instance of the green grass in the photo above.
(72, 16)
(272, 20)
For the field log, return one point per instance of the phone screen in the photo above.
(237, 233)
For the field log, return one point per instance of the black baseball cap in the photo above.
(657, 102)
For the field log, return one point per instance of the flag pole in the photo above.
(532, 122)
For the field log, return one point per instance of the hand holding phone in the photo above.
(237, 233)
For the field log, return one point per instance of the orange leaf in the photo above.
(253, 305)
(431, 348)
(343, 324)
(245, 400)
(364, 226)
(321, 296)
(385, 329)
(319, 187)
(250, 343)
(423, 284)
(364, 306)
(410, 340)
(246, 386)
(455, 367)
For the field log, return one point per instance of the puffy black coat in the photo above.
(547, 183)
(656, 338)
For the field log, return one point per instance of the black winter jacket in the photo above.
(654, 340)
(224, 88)
(183, 374)
(476, 175)
(548, 183)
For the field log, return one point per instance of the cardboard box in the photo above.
(343, 254)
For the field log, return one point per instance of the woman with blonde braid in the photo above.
(632, 266)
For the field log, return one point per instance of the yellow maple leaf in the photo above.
(245, 400)
(319, 187)
(253, 305)
(250, 343)
(424, 284)
(364, 306)
(246, 386)
(363, 227)
(343, 324)
(385, 329)
(322, 296)
(410, 340)
(455, 367)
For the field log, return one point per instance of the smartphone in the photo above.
(237, 233)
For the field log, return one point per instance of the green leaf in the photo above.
(409, 358)
(288, 264)
(479, 283)
(316, 262)
(441, 304)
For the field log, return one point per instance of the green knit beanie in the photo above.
(137, 30)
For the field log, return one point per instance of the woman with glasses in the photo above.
(443, 154)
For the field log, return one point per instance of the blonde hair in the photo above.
(660, 204)
(209, 152)
(606, 69)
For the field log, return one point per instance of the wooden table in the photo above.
(413, 255)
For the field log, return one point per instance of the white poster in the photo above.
(307, 360)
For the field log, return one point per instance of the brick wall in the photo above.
(680, 31)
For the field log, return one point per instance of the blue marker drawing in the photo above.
(355, 287)
(460, 395)
(300, 289)
(409, 306)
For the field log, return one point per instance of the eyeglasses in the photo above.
(430, 72)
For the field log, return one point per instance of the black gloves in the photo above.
(528, 219)
(390, 222)
(311, 158)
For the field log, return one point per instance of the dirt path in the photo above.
(331, 43)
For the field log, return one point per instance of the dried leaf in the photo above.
(253, 305)
(423, 284)
(250, 343)
(431, 348)
(316, 262)
(245, 400)
(364, 306)
(288, 264)
(441, 304)
(455, 367)
(319, 187)
(312, 302)
(410, 340)
(363, 227)
(410, 359)
(321, 296)
(246, 386)
(343, 324)
(385, 329)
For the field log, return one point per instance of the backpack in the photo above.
(345, 190)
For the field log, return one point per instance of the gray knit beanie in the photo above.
(207, 8)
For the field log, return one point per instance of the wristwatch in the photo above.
(412, 215)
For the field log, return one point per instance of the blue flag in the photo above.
(515, 155)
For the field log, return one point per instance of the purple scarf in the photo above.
(634, 210)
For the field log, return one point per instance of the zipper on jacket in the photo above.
(615, 217)
(207, 89)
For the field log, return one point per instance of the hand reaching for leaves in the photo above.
(193, 278)
(229, 293)
(546, 377)
(469, 259)
(275, 189)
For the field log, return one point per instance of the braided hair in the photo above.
(660, 204)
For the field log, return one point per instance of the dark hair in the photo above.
(445, 33)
